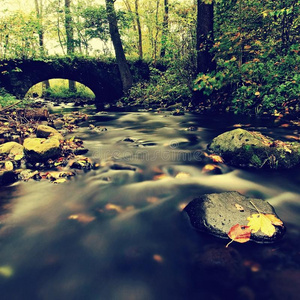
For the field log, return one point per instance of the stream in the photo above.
(119, 232)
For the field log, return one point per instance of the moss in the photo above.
(255, 160)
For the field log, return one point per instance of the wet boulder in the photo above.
(44, 131)
(7, 177)
(217, 213)
(251, 149)
(11, 148)
(39, 149)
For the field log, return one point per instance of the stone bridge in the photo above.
(103, 78)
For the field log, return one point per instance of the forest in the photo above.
(149, 149)
(238, 56)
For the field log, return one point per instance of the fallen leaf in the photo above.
(264, 222)
(211, 169)
(82, 218)
(152, 199)
(158, 258)
(214, 157)
(6, 271)
(60, 180)
(239, 233)
(239, 207)
(160, 176)
(182, 175)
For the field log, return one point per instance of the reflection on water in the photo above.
(119, 233)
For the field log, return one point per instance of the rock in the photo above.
(37, 113)
(217, 213)
(80, 151)
(44, 131)
(251, 149)
(215, 262)
(7, 177)
(39, 149)
(58, 124)
(11, 148)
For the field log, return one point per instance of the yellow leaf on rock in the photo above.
(264, 222)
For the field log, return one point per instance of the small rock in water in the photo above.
(216, 213)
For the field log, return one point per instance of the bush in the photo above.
(164, 88)
(63, 92)
(263, 84)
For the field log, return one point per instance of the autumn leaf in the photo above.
(264, 222)
(239, 233)
(239, 207)
(182, 175)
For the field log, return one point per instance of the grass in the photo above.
(59, 89)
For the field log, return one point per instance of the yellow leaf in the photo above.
(6, 271)
(60, 180)
(182, 175)
(264, 222)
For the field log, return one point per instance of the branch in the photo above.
(10, 106)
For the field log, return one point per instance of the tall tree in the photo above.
(70, 37)
(126, 76)
(164, 37)
(139, 29)
(205, 23)
(39, 14)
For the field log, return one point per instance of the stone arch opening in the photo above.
(58, 90)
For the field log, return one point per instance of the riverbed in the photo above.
(119, 232)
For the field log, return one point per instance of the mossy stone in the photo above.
(251, 149)
(39, 149)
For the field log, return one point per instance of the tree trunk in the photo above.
(205, 22)
(39, 14)
(164, 37)
(138, 23)
(117, 43)
(70, 37)
(45, 88)
(69, 28)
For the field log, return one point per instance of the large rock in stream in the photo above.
(217, 213)
(39, 149)
(251, 149)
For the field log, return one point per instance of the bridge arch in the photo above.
(103, 78)
(57, 88)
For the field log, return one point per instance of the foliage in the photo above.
(59, 91)
(256, 50)
(163, 89)
(7, 99)
(263, 222)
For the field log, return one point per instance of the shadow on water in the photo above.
(121, 234)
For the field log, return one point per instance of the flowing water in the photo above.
(119, 232)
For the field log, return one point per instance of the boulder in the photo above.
(11, 148)
(7, 177)
(39, 149)
(216, 213)
(251, 149)
(44, 131)
(58, 124)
